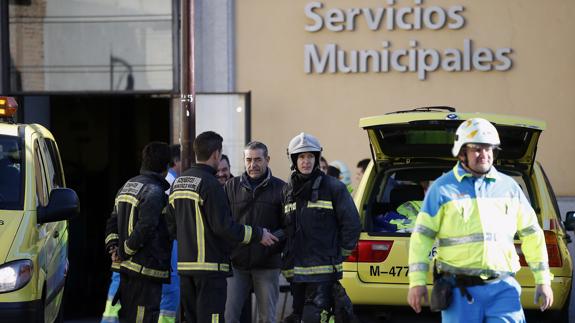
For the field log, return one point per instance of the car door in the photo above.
(53, 235)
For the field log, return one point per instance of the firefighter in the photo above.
(474, 212)
(137, 237)
(206, 232)
(170, 292)
(322, 228)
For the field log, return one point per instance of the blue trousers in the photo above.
(171, 291)
(497, 301)
(170, 295)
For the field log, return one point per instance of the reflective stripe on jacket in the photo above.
(320, 232)
(204, 226)
(474, 221)
(138, 228)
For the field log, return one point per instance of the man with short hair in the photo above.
(205, 232)
(170, 292)
(223, 171)
(473, 213)
(323, 165)
(137, 237)
(175, 165)
(361, 167)
(255, 199)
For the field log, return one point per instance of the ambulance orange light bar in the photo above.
(8, 107)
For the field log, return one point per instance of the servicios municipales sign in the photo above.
(333, 58)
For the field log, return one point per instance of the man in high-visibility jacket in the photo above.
(474, 212)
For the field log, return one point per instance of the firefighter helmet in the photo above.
(303, 143)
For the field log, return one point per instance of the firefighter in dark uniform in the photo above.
(322, 228)
(206, 233)
(137, 237)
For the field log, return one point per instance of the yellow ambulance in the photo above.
(34, 209)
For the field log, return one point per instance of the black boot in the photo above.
(292, 318)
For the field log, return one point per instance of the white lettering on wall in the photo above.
(389, 16)
(334, 59)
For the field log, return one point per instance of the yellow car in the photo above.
(412, 148)
(34, 209)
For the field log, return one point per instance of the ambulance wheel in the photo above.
(40, 310)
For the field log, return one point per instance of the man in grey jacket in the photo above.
(255, 199)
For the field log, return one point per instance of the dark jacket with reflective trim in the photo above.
(205, 229)
(320, 232)
(138, 227)
(262, 207)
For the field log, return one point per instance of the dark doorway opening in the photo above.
(100, 140)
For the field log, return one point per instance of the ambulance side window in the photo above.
(41, 187)
(53, 175)
(52, 151)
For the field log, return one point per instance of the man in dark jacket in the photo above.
(255, 199)
(137, 237)
(322, 227)
(205, 233)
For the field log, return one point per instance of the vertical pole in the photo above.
(4, 49)
(187, 89)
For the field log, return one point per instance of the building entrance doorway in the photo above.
(100, 140)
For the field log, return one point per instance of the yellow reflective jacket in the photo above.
(474, 221)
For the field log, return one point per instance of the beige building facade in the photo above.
(319, 66)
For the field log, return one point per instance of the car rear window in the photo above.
(11, 173)
(435, 139)
(397, 195)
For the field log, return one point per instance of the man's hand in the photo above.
(268, 239)
(545, 294)
(415, 296)
(113, 251)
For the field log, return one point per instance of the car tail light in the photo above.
(370, 251)
(552, 251)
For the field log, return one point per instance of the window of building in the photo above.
(91, 45)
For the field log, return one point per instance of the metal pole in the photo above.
(4, 49)
(188, 94)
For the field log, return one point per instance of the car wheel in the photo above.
(555, 316)
(563, 314)
(60, 317)
(40, 310)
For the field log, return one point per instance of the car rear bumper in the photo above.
(361, 293)
(19, 312)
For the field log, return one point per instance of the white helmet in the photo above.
(345, 174)
(303, 143)
(477, 131)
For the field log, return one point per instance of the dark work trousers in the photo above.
(313, 302)
(203, 298)
(140, 299)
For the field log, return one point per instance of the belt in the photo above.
(464, 281)
(468, 281)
